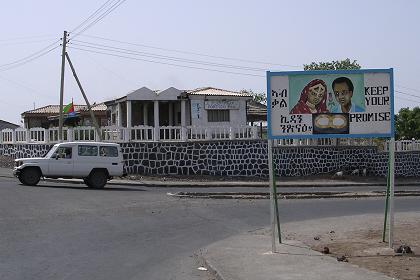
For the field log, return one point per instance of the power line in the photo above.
(164, 57)
(24, 86)
(416, 101)
(107, 12)
(25, 38)
(183, 66)
(166, 63)
(107, 69)
(193, 53)
(91, 16)
(28, 60)
(407, 93)
(29, 57)
(409, 88)
(23, 42)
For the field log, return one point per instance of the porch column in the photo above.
(156, 118)
(129, 113)
(145, 114)
(171, 113)
(183, 121)
(119, 120)
(183, 113)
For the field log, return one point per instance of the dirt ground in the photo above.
(364, 248)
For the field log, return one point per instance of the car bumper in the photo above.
(16, 172)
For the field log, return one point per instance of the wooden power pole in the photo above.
(63, 62)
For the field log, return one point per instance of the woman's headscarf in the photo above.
(302, 108)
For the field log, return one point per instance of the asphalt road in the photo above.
(66, 231)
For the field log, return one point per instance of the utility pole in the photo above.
(63, 62)
(95, 123)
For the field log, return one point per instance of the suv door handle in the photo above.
(114, 163)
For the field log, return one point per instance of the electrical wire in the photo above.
(24, 86)
(29, 57)
(409, 88)
(166, 63)
(183, 66)
(407, 99)
(25, 38)
(28, 60)
(193, 53)
(91, 16)
(405, 93)
(164, 57)
(23, 42)
(107, 69)
(103, 15)
(201, 54)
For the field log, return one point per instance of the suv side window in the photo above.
(108, 151)
(63, 152)
(88, 150)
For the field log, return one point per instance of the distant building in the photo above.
(201, 107)
(48, 116)
(173, 107)
(256, 112)
(4, 125)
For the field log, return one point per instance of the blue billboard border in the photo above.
(270, 74)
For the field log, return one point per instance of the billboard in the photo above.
(330, 104)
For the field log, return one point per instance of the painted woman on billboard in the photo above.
(313, 99)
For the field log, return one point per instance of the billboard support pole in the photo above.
(391, 192)
(276, 204)
(272, 202)
(386, 200)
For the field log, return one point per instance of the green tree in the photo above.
(259, 97)
(407, 124)
(334, 65)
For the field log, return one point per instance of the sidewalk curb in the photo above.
(290, 195)
(211, 268)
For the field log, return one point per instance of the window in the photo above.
(108, 151)
(63, 152)
(218, 115)
(87, 150)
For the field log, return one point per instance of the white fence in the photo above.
(404, 145)
(326, 142)
(180, 134)
(131, 134)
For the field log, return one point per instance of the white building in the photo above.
(199, 108)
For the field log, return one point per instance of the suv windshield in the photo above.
(51, 151)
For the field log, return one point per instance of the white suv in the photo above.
(94, 162)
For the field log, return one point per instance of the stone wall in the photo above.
(244, 158)
(24, 150)
(221, 158)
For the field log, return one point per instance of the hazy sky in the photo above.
(280, 35)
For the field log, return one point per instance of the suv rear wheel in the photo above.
(97, 179)
(30, 176)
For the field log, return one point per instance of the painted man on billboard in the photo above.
(343, 92)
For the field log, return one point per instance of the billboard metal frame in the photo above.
(270, 74)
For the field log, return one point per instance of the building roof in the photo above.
(55, 109)
(4, 125)
(216, 92)
(159, 94)
(256, 111)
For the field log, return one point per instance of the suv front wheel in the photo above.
(97, 179)
(30, 176)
